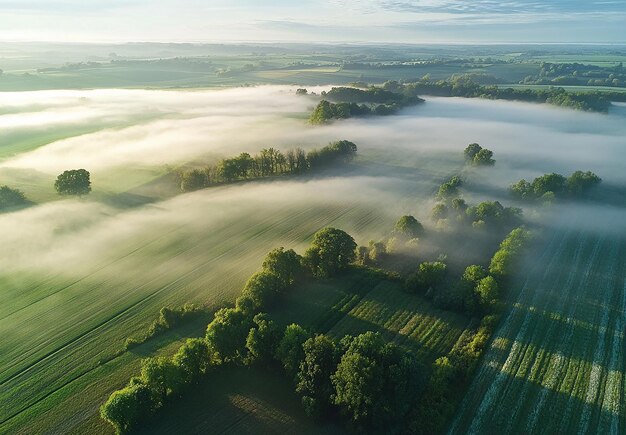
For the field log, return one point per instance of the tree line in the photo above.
(268, 162)
(547, 187)
(462, 86)
(373, 385)
(345, 102)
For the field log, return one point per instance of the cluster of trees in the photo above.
(407, 230)
(491, 214)
(477, 291)
(73, 182)
(268, 162)
(345, 102)
(478, 156)
(373, 384)
(11, 199)
(578, 74)
(550, 186)
(235, 335)
(463, 87)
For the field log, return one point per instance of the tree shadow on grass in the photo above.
(237, 400)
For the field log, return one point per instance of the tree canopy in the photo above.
(331, 250)
(409, 227)
(73, 182)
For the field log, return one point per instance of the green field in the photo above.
(556, 364)
(247, 401)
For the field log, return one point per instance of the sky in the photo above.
(405, 21)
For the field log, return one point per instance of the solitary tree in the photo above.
(409, 227)
(73, 182)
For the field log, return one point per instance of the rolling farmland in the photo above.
(556, 364)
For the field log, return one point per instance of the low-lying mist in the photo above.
(528, 140)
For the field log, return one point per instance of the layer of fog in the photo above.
(70, 234)
(527, 139)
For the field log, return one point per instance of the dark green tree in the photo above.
(226, 335)
(331, 251)
(127, 408)
(290, 352)
(193, 360)
(471, 151)
(321, 357)
(409, 227)
(262, 340)
(11, 198)
(429, 275)
(73, 182)
(285, 264)
(377, 384)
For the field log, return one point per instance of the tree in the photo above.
(10, 198)
(259, 291)
(522, 190)
(73, 182)
(579, 182)
(450, 188)
(321, 357)
(503, 260)
(286, 265)
(128, 407)
(487, 291)
(439, 211)
(226, 335)
(474, 273)
(409, 227)
(162, 376)
(331, 251)
(471, 151)
(193, 360)
(429, 275)
(484, 158)
(290, 352)
(376, 383)
(554, 183)
(262, 340)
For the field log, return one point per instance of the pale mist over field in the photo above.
(401, 160)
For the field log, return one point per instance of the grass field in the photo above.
(353, 304)
(244, 401)
(79, 276)
(556, 364)
(87, 312)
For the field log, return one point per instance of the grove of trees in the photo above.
(549, 186)
(373, 385)
(268, 162)
(478, 156)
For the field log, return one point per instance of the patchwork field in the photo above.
(557, 362)
(80, 276)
